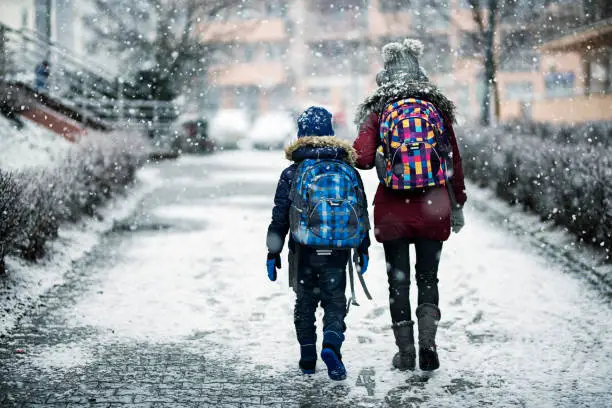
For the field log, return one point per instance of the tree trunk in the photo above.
(496, 98)
(490, 86)
(3, 53)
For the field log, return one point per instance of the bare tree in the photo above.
(164, 37)
(486, 32)
(521, 24)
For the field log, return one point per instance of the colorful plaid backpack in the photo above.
(415, 153)
(328, 205)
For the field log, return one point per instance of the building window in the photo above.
(338, 16)
(247, 97)
(519, 91)
(337, 58)
(279, 98)
(210, 98)
(248, 52)
(463, 100)
(520, 61)
(276, 8)
(275, 51)
(440, 60)
(430, 17)
(559, 84)
(387, 6)
(599, 75)
(469, 46)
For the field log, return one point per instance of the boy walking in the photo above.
(320, 198)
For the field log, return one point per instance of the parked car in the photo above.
(228, 127)
(195, 138)
(272, 130)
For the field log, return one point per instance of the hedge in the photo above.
(34, 202)
(562, 173)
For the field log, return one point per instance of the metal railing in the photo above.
(93, 91)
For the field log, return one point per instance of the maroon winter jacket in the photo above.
(403, 214)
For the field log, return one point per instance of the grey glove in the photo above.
(457, 220)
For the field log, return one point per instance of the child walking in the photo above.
(321, 200)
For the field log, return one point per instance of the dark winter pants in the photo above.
(320, 278)
(398, 271)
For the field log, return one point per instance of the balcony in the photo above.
(243, 31)
(265, 74)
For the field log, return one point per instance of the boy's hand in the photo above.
(364, 260)
(273, 263)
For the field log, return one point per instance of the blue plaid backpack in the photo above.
(328, 205)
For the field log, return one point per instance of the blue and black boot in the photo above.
(308, 357)
(332, 342)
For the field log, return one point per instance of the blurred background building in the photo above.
(552, 57)
(57, 21)
(317, 51)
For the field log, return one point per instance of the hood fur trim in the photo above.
(323, 141)
(393, 91)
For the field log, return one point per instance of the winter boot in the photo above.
(332, 341)
(429, 316)
(405, 359)
(308, 358)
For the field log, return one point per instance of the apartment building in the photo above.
(60, 21)
(573, 82)
(291, 53)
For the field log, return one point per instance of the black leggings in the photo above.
(398, 271)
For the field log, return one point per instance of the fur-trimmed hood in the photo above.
(321, 147)
(393, 91)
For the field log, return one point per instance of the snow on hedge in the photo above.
(31, 145)
(47, 183)
(562, 173)
(36, 199)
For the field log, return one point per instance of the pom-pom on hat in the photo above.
(315, 121)
(401, 60)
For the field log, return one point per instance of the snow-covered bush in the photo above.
(10, 214)
(34, 202)
(562, 173)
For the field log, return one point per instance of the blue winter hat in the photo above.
(315, 121)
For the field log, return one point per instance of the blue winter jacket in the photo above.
(311, 147)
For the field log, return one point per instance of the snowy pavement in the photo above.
(173, 308)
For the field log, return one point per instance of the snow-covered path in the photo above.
(174, 309)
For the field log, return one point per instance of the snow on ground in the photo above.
(26, 281)
(32, 145)
(515, 330)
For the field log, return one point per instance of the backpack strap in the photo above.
(353, 299)
(449, 163)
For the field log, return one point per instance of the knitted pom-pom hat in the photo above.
(315, 121)
(401, 61)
